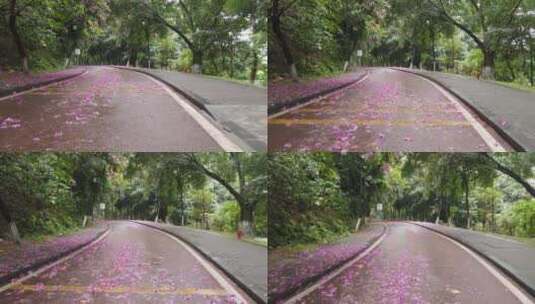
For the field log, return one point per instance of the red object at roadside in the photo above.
(239, 234)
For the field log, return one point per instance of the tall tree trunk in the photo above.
(16, 37)
(4, 211)
(237, 194)
(511, 69)
(276, 25)
(489, 57)
(531, 61)
(254, 68)
(493, 223)
(196, 68)
(246, 219)
(466, 183)
(415, 60)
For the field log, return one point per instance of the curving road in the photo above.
(105, 109)
(414, 265)
(390, 110)
(133, 264)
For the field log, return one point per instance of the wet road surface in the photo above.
(104, 110)
(414, 265)
(133, 264)
(389, 111)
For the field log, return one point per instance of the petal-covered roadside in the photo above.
(282, 92)
(290, 269)
(15, 258)
(19, 81)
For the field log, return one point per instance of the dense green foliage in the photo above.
(489, 39)
(50, 193)
(47, 193)
(315, 197)
(216, 37)
(480, 191)
(319, 196)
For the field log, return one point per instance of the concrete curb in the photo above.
(21, 89)
(243, 286)
(466, 101)
(195, 99)
(277, 108)
(285, 295)
(493, 261)
(7, 278)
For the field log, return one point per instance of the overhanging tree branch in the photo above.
(509, 172)
(443, 12)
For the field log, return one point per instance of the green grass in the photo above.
(517, 86)
(240, 81)
(253, 240)
(528, 241)
(38, 237)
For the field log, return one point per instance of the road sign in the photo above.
(359, 53)
(102, 206)
(379, 207)
(77, 52)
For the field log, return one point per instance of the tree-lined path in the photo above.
(458, 228)
(133, 264)
(415, 265)
(106, 109)
(388, 110)
(214, 53)
(482, 51)
(52, 204)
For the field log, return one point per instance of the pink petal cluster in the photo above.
(16, 79)
(282, 92)
(30, 253)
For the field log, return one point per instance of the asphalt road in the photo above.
(133, 264)
(414, 265)
(388, 111)
(104, 110)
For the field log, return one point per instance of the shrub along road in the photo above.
(133, 264)
(106, 109)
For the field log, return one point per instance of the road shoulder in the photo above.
(508, 111)
(239, 109)
(243, 262)
(283, 97)
(513, 258)
(290, 272)
(29, 257)
(29, 82)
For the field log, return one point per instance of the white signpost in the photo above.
(360, 53)
(77, 53)
(102, 206)
(379, 209)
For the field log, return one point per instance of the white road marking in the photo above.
(47, 267)
(222, 140)
(489, 140)
(335, 273)
(317, 99)
(43, 87)
(215, 274)
(519, 294)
